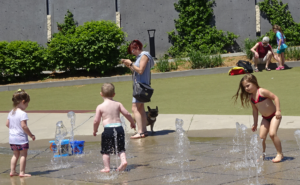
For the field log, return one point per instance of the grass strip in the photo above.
(205, 94)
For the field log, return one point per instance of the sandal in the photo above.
(268, 69)
(146, 133)
(138, 136)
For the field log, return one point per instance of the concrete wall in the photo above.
(230, 15)
(27, 19)
(23, 20)
(139, 16)
(237, 16)
(83, 11)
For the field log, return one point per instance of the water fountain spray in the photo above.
(297, 136)
(60, 133)
(125, 131)
(116, 146)
(236, 139)
(244, 134)
(72, 117)
(182, 146)
(255, 156)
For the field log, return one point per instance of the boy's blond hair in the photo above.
(108, 90)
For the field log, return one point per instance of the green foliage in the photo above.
(124, 54)
(278, 13)
(204, 60)
(292, 53)
(93, 46)
(69, 25)
(20, 60)
(194, 29)
(163, 65)
(248, 44)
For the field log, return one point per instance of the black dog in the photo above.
(151, 116)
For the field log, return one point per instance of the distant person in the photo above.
(262, 53)
(18, 132)
(142, 73)
(262, 101)
(281, 46)
(110, 111)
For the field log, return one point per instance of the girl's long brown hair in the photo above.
(245, 97)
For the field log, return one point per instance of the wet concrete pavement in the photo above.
(153, 160)
(43, 125)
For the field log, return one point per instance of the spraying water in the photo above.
(72, 116)
(125, 130)
(60, 133)
(255, 157)
(182, 146)
(297, 136)
(116, 146)
(244, 134)
(236, 139)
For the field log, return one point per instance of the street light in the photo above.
(152, 43)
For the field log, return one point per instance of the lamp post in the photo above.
(152, 43)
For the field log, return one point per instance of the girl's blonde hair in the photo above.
(18, 97)
(278, 28)
(245, 97)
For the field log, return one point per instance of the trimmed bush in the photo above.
(94, 46)
(204, 60)
(21, 60)
(292, 53)
(248, 44)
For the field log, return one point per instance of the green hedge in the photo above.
(21, 60)
(93, 46)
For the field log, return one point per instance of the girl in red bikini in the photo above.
(19, 132)
(262, 101)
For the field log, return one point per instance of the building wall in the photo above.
(27, 19)
(137, 18)
(83, 11)
(237, 16)
(23, 20)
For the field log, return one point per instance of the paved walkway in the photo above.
(43, 125)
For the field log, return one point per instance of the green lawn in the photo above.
(205, 94)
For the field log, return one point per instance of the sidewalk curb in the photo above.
(175, 74)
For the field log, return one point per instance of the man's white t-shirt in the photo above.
(17, 135)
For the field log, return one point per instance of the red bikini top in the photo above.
(259, 99)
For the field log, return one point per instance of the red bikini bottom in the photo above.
(269, 118)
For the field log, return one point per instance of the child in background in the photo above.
(18, 132)
(262, 101)
(109, 111)
(281, 46)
